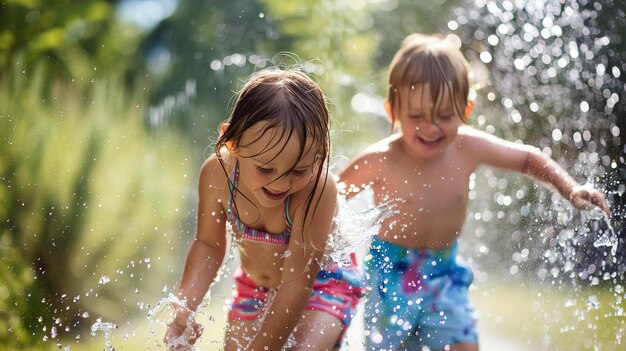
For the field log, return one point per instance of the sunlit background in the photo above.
(108, 108)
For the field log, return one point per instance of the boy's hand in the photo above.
(586, 197)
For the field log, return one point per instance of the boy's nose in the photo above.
(427, 126)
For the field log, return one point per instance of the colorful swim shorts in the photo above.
(418, 298)
(336, 291)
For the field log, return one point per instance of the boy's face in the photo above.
(428, 124)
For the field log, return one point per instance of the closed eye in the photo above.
(265, 170)
(298, 173)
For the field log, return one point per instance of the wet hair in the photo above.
(291, 105)
(434, 60)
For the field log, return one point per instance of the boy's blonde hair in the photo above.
(433, 60)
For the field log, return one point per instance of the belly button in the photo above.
(265, 277)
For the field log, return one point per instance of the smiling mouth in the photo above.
(274, 195)
(429, 142)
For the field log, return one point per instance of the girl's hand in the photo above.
(182, 331)
(586, 197)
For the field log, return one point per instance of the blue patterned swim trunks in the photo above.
(418, 298)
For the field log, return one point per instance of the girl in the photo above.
(269, 178)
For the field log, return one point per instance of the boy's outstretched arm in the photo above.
(545, 169)
(530, 161)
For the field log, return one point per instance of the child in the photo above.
(419, 290)
(269, 178)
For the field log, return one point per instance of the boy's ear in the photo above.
(468, 110)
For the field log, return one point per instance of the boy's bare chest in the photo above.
(425, 195)
(430, 205)
(432, 185)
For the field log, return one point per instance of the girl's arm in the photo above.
(207, 249)
(299, 269)
(532, 162)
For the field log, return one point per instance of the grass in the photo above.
(141, 333)
(542, 318)
(530, 317)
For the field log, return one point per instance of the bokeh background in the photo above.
(108, 108)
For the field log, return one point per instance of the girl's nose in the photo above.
(282, 183)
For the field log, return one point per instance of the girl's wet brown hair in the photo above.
(433, 60)
(289, 102)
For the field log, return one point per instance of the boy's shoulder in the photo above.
(382, 147)
(470, 132)
(469, 137)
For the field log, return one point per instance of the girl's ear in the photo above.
(468, 110)
(222, 130)
(223, 127)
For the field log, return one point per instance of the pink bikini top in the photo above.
(252, 234)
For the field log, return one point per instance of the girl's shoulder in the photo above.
(214, 174)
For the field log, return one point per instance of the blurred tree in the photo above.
(199, 54)
(335, 41)
(90, 201)
(77, 40)
(212, 46)
(86, 188)
(408, 17)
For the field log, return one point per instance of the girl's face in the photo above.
(428, 124)
(265, 163)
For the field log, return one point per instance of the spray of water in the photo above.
(353, 229)
(107, 328)
(164, 313)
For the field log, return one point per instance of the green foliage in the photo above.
(14, 304)
(337, 40)
(93, 201)
(76, 38)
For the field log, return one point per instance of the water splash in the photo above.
(164, 313)
(106, 327)
(352, 229)
(608, 236)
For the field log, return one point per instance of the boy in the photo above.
(419, 290)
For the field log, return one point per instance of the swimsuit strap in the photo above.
(251, 233)
(288, 220)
